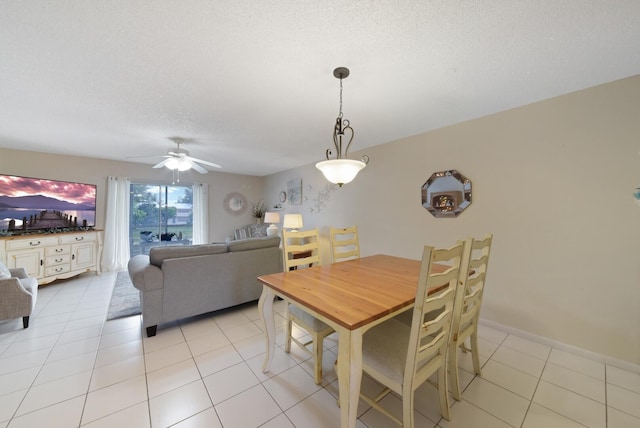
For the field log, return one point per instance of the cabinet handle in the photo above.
(34, 244)
(59, 260)
(59, 269)
(73, 257)
(79, 238)
(59, 250)
(41, 262)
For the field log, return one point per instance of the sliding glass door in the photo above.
(160, 214)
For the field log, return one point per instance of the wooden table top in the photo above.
(352, 293)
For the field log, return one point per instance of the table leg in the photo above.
(349, 375)
(265, 307)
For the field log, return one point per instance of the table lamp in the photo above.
(271, 217)
(292, 221)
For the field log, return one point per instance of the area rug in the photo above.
(125, 300)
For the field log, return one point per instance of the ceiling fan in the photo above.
(179, 159)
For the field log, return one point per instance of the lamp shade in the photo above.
(292, 221)
(340, 171)
(271, 217)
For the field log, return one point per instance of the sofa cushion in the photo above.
(158, 254)
(4, 271)
(253, 243)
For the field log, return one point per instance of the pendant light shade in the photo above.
(341, 170)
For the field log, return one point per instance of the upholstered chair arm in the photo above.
(19, 273)
(16, 300)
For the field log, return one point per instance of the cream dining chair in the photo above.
(403, 357)
(467, 307)
(301, 248)
(344, 243)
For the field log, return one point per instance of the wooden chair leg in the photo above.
(25, 321)
(453, 370)
(475, 353)
(287, 335)
(407, 408)
(317, 364)
(443, 390)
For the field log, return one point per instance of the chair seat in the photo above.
(309, 320)
(384, 349)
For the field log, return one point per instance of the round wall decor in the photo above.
(235, 203)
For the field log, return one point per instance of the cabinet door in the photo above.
(31, 260)
(83, 255)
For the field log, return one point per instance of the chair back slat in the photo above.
(448, 276)
(344, 243)
(432, 348)
(300, 248)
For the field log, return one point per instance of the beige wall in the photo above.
(552, 181)
(96, 171)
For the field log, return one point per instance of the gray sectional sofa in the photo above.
(177, 282)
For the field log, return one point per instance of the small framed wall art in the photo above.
(294, 191)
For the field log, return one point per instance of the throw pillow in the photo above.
(258, 230)
(241, 233)
(4, 271)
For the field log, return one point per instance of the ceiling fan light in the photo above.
(340, 171)
(172, 164)
(184, 165)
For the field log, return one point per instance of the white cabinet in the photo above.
(31, 260)
(52, 257)
(83, 255)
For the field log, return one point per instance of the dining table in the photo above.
(350, 296)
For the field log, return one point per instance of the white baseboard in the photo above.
(605, 359)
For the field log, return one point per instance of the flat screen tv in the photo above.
(37, 205)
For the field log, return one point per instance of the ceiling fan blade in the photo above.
(215, 165)
(162, 163)
(198, 168)
(145, 157)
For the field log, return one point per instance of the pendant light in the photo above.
(341, 170)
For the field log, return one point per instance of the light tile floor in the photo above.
(70, 368)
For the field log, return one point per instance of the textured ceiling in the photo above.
(249, 84)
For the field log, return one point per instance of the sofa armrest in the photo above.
(144, 275)
(19, 273)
